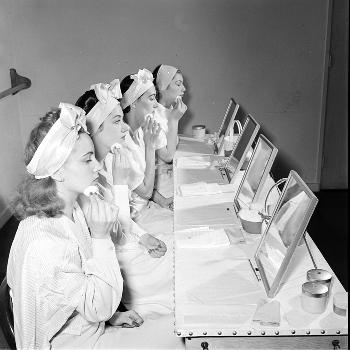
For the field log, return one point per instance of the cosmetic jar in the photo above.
(340, 303)
(314, 297)
(319, 275)
(198, 131)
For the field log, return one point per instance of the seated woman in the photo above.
(170, 90)
(148, 281)
(64, 275)
(139, 105)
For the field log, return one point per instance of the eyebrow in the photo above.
(90, 153)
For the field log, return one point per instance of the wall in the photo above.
(267, 54)
(11, 166)
(335, 162)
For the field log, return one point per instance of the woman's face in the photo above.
(112, 130)
(146, 104)
(81, 168)
(175, 88)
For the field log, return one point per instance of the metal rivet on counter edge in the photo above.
(190, 333)
(205, 333)
(263, 333)
(234, 332)
(277, 332)
(292, 331)
(323, 331)
(307, 332)
(219, 333)
(249, 332)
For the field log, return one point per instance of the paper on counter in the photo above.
(199, 189)
(195, 162)
(202, 237)
(268, 313)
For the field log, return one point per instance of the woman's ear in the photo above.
(58, 176)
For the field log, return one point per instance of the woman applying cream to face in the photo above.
(62, 268)
(139, 105)
(148, 281)
(170, 90)
(121, 170)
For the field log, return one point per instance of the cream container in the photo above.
(314, 297)
(340, 303)
(319, 275)
(198, 131)
(251, 220)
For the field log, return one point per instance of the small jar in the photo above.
(340, 303)
(314, 297)
(319, 275)
(198, 131)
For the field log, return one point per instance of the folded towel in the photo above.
(199, 189)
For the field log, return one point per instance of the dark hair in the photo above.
(37, 196)
(87, 101)
(155, 72)
(124, 87)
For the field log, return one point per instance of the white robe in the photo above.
(64, 283)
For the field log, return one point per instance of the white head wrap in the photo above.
(143, 81)
(58, 143)
(107, 95)
(164, 76)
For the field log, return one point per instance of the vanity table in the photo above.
(217, 288)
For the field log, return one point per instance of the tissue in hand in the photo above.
(115, 146)
(90, 190)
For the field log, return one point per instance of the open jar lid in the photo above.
(315, 289)
(196, 127)
(319, 275)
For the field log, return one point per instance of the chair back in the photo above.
(6, 314)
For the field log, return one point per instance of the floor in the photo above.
(328, 228)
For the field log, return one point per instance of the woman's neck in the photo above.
(100, 153)
(132, 121)
(69, 199)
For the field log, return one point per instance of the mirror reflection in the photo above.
(285, 226)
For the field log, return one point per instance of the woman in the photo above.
(170, 91)
(139, 104)
(64, 275)
(121, 169)
(148, 281)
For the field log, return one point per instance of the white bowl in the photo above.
(251, 220)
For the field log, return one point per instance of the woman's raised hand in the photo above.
(127, 319)
(100, 216)
(120, 167)
(151, 131)
(179, 109)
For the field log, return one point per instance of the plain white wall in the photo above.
(267, 54)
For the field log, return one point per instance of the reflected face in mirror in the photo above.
(283, 229)
(254, 173)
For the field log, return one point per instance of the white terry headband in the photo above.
(164, 76)
(58, 143)
(107, 95)
(143, 81)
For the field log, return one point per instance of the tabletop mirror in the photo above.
(284, 231)
(256, 173)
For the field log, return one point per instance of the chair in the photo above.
(6, 314)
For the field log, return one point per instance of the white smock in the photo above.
(148, 282)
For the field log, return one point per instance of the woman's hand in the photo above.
(179, 110)
(100, 216)
(120, 167)
(156, 248)
(127, 319)
(151, 131)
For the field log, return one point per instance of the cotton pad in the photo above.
(115, 146)
(90, 190)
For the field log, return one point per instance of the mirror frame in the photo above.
(219, 147)
(232, 175)
(272, 290)
(265, 172)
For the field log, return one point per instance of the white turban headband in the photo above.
(164, 76)
(58, 143)
(143, 81)
(107, 95)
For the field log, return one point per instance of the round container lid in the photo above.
(198, 127)
(315, 289)
(319, 275)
